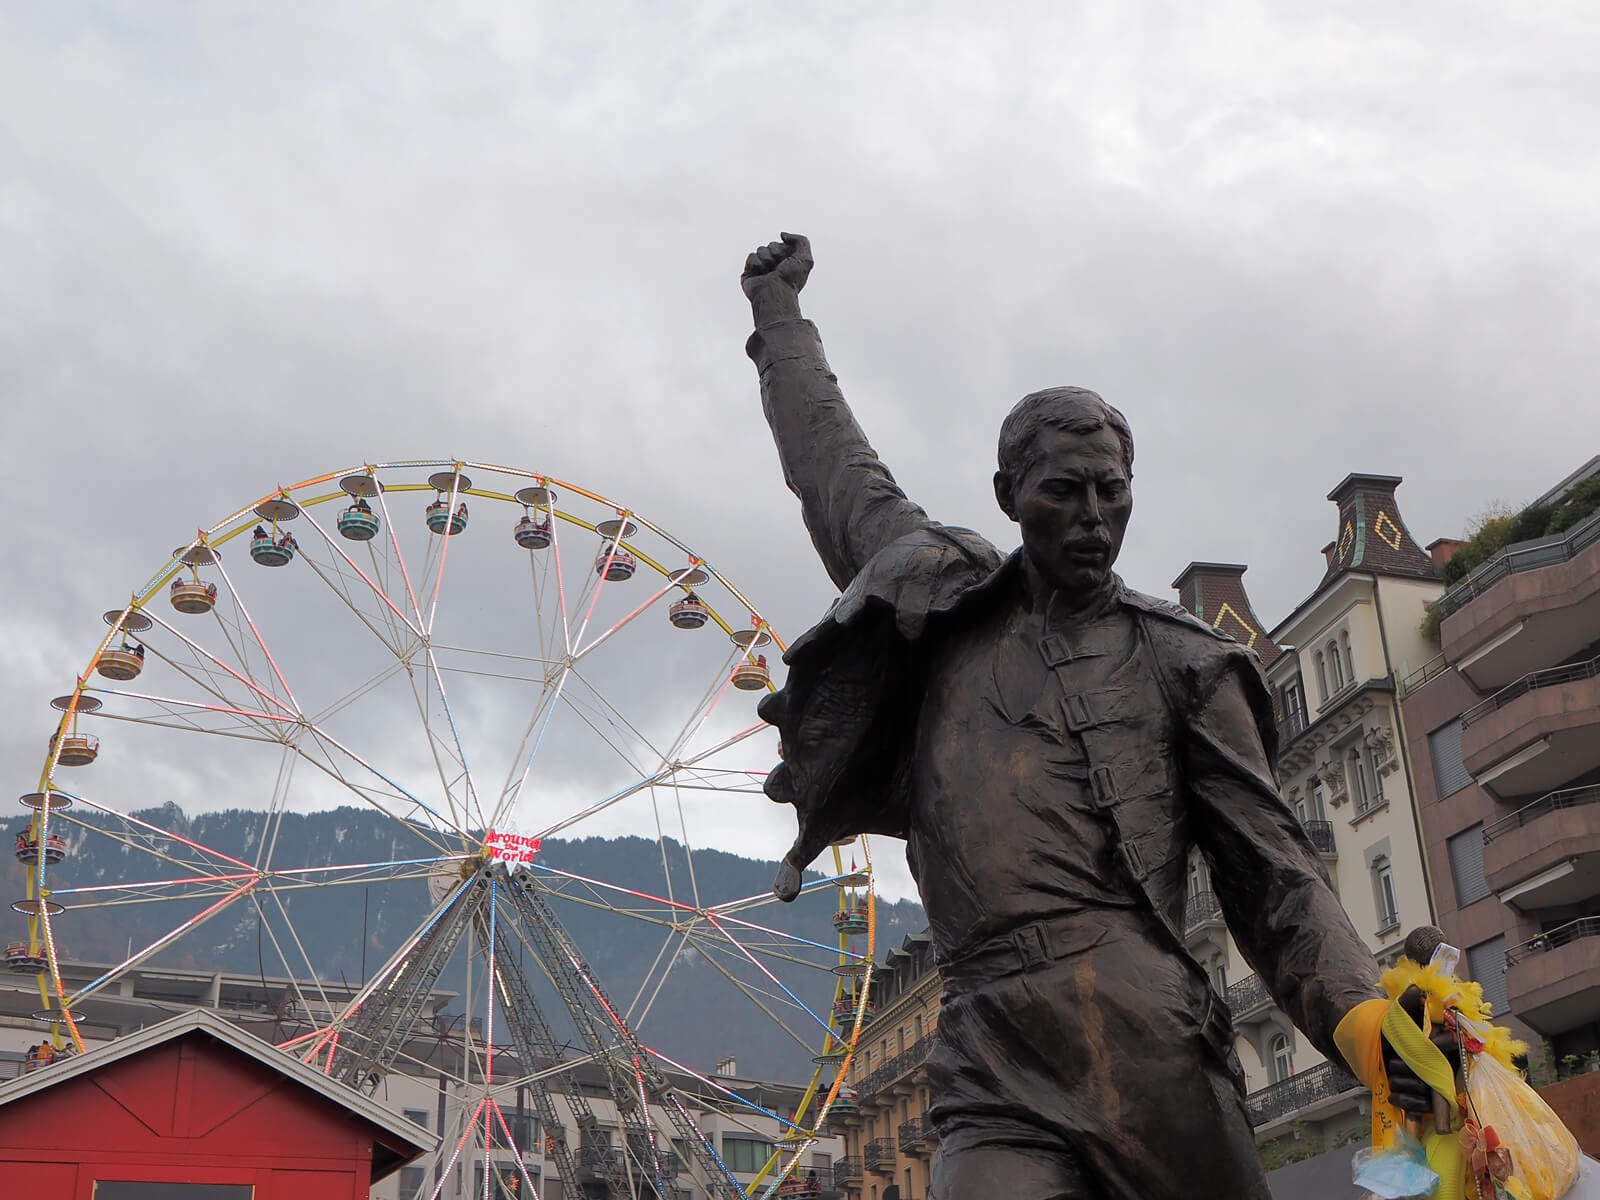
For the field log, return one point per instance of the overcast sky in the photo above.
(246, 244)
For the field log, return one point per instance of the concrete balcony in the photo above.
(1553, 980)
(1547, 853)
(877, 1156)
(1537, 734)
(1531, 605)
(1203, 924)
(1321, 835)
(916, 1137)
(847, 1173)
(1249, 1001)
(1323, 1088)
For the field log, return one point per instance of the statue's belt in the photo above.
(1032, 946)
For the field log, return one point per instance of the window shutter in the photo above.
(1466, 865)
(1444, 747)
(1487, 962)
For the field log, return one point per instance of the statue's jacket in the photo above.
(1181, 760)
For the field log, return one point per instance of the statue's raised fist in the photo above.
(786, 262)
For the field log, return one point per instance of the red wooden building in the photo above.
(194, 1109)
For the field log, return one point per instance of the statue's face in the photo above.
(1072, 503)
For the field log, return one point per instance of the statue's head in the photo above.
(1065, 477)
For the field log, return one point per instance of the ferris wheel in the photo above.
(490, 663)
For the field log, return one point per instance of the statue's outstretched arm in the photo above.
(852, 505)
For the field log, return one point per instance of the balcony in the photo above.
(877, 1156)
(1546, 853)
(1553, 980)
(1321, 835)
(916, 1136)
(896, 1069)
(1200, 910)
(1536, 734)
(1315, 1087)
(1249, 1000)
(1535, 603)
(846, 1173)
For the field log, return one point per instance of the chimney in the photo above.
(1327, 554)
(1442, 550)
(1372, 534)
(728, 1068)
(1215, 593)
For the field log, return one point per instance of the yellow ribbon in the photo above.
(1359, 1037)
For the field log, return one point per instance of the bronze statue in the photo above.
(1051, 745)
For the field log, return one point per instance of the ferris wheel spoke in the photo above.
(202, 656)
(183, 725)
(447, 782)
(256, 633)
(369, 797)
(391, 611)
(764, 1001)
(161, 943)
(601, 638)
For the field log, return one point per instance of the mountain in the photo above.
(347, 932)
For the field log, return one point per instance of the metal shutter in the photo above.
(1466, 865)
(1487, 962)
(1444, 747)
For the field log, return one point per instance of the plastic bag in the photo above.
(1544, 1154)
(1398, 1173)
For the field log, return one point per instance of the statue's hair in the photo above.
(1075, 410)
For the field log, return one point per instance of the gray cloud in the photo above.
(246, 245)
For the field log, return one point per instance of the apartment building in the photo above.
(271, 1008)
(1332, 664)
(1503, 730)
(888, 1140)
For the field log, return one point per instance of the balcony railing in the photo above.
(1547, 803)
(1561, 935)
(1549, 677)
(1321, 1082)
(1199, 908)
(878, 1155)
(1432, 669)
(1248, 994)
(1321, 834)
(915, 1133)
(846, 1170)
(1528, 556)
(912, 1057)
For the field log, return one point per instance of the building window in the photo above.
(1292, 704)
(1358, 782)
(1466, 865)
(1349, 659)
(745, 1155)
(919, 1027)
(906, 1195)
(417, 1116)
(1197, 877)
(411, 1179)
(1322, 675)
(1444, 748)
(1335, 668)
(1219, 978)
(1371, 763)
(1383, 894)
(1282, 1058)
